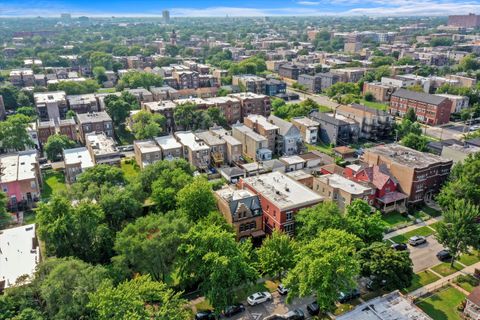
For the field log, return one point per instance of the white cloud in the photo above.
(308, 3)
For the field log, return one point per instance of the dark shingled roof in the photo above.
(418, 96)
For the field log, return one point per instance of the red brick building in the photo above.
(429, 108)
(280, 197)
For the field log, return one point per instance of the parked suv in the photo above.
(417, 240)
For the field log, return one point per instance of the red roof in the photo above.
(474, 296)
(377, 175)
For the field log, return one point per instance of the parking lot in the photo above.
(424, 256)
(276, 306)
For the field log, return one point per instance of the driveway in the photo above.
(276, 306)
(424, 256)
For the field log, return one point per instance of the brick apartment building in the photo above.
(280, 197)
(420, 175)
(466, 21)
(429, 108)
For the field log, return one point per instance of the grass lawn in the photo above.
(467, 282)
(130, 169)
(320, 147)
(421, 279)
(29, 217)
(443, 304)
(435, 225)
(204, 305)
(324, 109)
(106, 90)
(445, 269)
(242, 294)
(469, 259)
(53, 181)
(374, 105)
(394, 219)
(431, 211)
(422, 231)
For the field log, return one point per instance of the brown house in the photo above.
(241, 209)
(94, 122)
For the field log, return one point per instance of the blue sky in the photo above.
(206, 8)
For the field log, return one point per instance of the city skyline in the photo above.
(210, 8)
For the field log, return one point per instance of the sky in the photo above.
(221, 8)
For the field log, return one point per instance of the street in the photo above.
(322, 100)
(276, 306)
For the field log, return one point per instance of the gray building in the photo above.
(312, 83)
(336, 129)
(289, 138)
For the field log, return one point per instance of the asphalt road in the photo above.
(322, 100)
(424, 256)
(276, 306)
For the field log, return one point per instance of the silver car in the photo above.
(416, 240)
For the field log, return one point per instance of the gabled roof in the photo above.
(378, 175)
(286, 128)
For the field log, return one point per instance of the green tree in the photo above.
(150, 244)
(56, 144)
(212, 256)
(99, 74)
(147, 125)
(165, 189)
(137, 79)
(277, 254)
(410, 115)
(29, 112)
(101, 59)
(326, 266)
(363, 223)
(162, 170)
(310, 222)
(416, 88)
(119, 205)
(140, 298)
(463, 183)
(184, 115)
(75, 87)
(468, 63)
(406, 126)
(65, 290)
(414, 141)
(387, 268)
(117, 108)
(459, 230)
(13, 133)
(5, 217)
(196, 199)
(342, 88)
(9, 94)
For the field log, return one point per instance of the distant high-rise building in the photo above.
(466, 21)
(166, 16)
(173, 38)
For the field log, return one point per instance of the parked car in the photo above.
(399, 246)
(313, 308)
(350, 295)
(282, 290)
(444, 255)
(46, 166)
(42, 160)
(205, 315)
(417, 240)
(296, 314)
(259, 297)
(233, 310)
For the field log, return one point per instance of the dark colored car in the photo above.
(313, 308)
(296, 314)
(444, 255)
(42, 160)
(345, 297)
(233, 310)
(399, 246)
(205, 315)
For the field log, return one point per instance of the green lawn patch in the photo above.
(421, 279)
(469, 259)
(374, 105)
(395, 219)
(324, 109)
(243, 293)
(53, 181)
(431, 211)
(106, 90)
(422, 231)
(443, 304)
(467, 282)
(435, 225)
(445, 269)
(204, 305)
(130, 169)
(29, 217)
(320, 147)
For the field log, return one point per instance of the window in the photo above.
(289, 215)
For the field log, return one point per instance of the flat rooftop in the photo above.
(283, 191)
(225, 135)
(249, 132)
(157, 106)
(78, 155)
(291, 160)
(101, 116)
(392, 306)
(337, 181)
(101, 144)
(49, 97)
(247, 95)
(191, 141)
(147, 146)
(261, 120)
(17, 167)
(307, 122)
(19, 253)
(168, 142)
(210, 138)
(406, 156)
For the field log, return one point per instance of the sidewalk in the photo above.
(412, 227)
(441, 282)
